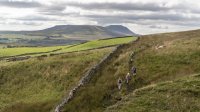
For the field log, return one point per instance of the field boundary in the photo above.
(117, 37)
(88, 76)
(43, 54)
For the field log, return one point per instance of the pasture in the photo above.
(99, 43)
(63, 49)
(27, 50)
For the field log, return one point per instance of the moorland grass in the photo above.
(38, 84)
(179, 58)
(173, 61)
(181, 95)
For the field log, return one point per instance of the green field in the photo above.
(37, 85)
(27, 50)
(62, 49)
(99, 43)
(21, 39)
(18, 39)
(21, 36)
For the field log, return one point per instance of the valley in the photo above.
(32, 51)
(167, 76)
(99, 56)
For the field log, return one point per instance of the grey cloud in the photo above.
(154, 16)
(19, 4)
(55, 9)
(121, 6)
(31, 23)
(130, 6)
(182, 23)
(159, 27)
(159, 11)
(145, 14)
(1, 22)
(147, 20)
(36, 18)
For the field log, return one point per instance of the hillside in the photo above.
(63, 35)
(86, 32)
(120, 30)
(158, 58)
(174, 96)
(165, 80)
(38, 84)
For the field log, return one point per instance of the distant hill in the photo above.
(63, 35)
(83, 32)
(87, 32)
(120, 30)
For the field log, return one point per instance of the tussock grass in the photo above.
(154, 66)
(174, 96)
(37, 85)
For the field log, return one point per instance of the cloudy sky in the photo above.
(141, 16)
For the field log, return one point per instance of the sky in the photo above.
(141, 16)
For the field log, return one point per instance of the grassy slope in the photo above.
(99, 43)
(85, 46)
(36, 85)
(180, 57)
(27, 50)
(181, 95)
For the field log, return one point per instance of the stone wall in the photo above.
(18, 58)
(88, 76)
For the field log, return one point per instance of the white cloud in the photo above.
(142, 16)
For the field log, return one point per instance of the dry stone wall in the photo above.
(88, 76)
